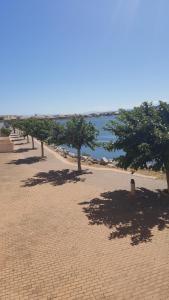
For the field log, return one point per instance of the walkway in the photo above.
(65, 236)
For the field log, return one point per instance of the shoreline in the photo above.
(72, 161)
(63, 155)
(5, 118)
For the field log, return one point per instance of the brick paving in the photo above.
(65, 236)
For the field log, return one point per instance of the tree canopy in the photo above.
(57, 134)
(78, 132)
(41, 129)
(143, 134)
(5, 131)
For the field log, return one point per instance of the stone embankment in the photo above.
(85, 158)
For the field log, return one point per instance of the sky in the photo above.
(74, 56)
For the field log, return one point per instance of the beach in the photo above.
(71, 236)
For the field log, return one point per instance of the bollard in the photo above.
(133, 188)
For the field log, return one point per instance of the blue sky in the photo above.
(65, 56)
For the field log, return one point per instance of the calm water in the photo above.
(104, 137)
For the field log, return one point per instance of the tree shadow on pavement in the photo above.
(21, 150)
(55, 178)
(17, 139)
(126, 215)
(20, 143)
(26, 161)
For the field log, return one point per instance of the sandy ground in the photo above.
(70, 236)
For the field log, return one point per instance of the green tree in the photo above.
(42, 131)
(26, 129)
(143, 134)
(22, 126)
(14, 124)
(78, 132)
(57, 134)
(5, 131)
(31, 129)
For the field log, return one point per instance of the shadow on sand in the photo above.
(56, 177)
(26, 161)
(126, 215)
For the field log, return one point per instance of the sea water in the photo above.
(103, 137)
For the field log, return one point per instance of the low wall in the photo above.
(6, 145)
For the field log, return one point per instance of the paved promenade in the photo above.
(64, 236)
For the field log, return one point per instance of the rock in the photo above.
(59, 149)
(111, 165)
(104, 161)
(95, 161)
(114, 163)
(89, 158)
(71, 154)
(84, 157)
(89, 163)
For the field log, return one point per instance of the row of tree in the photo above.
(75, 133)
(142, 133)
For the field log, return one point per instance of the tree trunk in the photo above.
(33, 145)
(42, 150)
(167, 177)
(79, 160)
(27, 138)
(14, 130)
